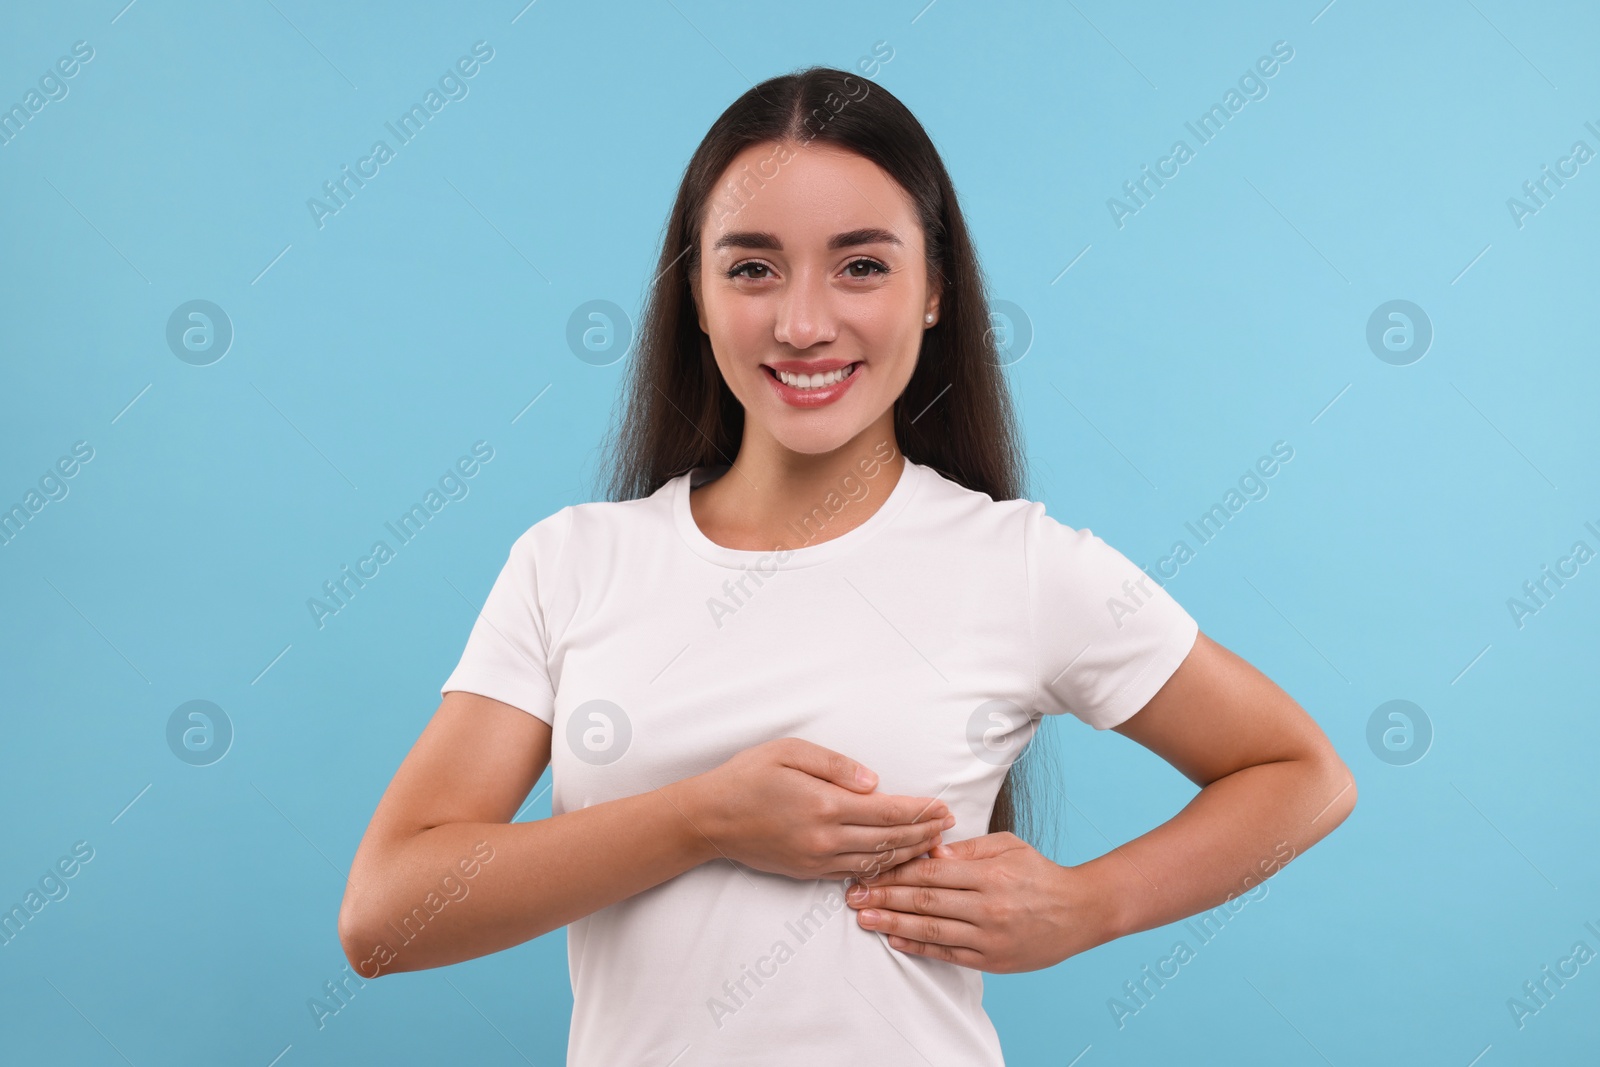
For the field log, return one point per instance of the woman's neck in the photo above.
(769, 500)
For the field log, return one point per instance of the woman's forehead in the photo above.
(814, 199)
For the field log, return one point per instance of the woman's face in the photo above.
(812, 263)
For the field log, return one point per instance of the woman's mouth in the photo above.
(799, 389)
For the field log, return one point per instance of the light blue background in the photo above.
(369, 354)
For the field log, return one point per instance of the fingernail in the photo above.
(950, 820)
(869, 917)
(858, 893)
(865, 777)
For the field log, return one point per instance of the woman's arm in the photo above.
(442, 875)
(1271, 787)
(450, 805)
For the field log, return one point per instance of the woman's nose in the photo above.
(805, 316)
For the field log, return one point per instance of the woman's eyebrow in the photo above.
(759, 239)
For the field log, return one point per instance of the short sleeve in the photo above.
(507, 653)
(1106, 635)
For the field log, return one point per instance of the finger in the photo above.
(933, 871)
(871, 838)
(853, 866)
(830, 766)
(860, 865)
(964, 957)
(962, 904)
(927, 929)
(985, 846)
(884, 809)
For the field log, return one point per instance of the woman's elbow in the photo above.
(1335, 790)
(351, 938)
(360, 947)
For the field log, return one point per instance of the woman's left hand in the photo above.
(992, 903)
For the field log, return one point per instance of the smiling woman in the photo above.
(878, 696)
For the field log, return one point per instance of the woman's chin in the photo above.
(819, 438)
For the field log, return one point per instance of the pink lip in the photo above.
(810, 366)
(813, 398)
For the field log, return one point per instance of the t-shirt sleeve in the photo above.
(1106, 635)
(507, 653)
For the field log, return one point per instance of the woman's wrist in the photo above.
(695, 818)
(1105, 903)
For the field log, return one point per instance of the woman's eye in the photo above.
(872, 265)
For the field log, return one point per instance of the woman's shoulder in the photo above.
(949, 501)
(593, 523)
(1021, 524)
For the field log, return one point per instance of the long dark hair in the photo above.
(954, 416)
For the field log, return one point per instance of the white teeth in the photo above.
(815, 381)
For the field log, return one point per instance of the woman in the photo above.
(801, 649)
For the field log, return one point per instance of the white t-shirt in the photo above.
(924, 643)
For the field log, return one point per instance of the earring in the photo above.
(928, 318)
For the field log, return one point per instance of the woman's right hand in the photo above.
(794, 808)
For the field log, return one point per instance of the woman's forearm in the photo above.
(461, 890)
(1238, 831)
